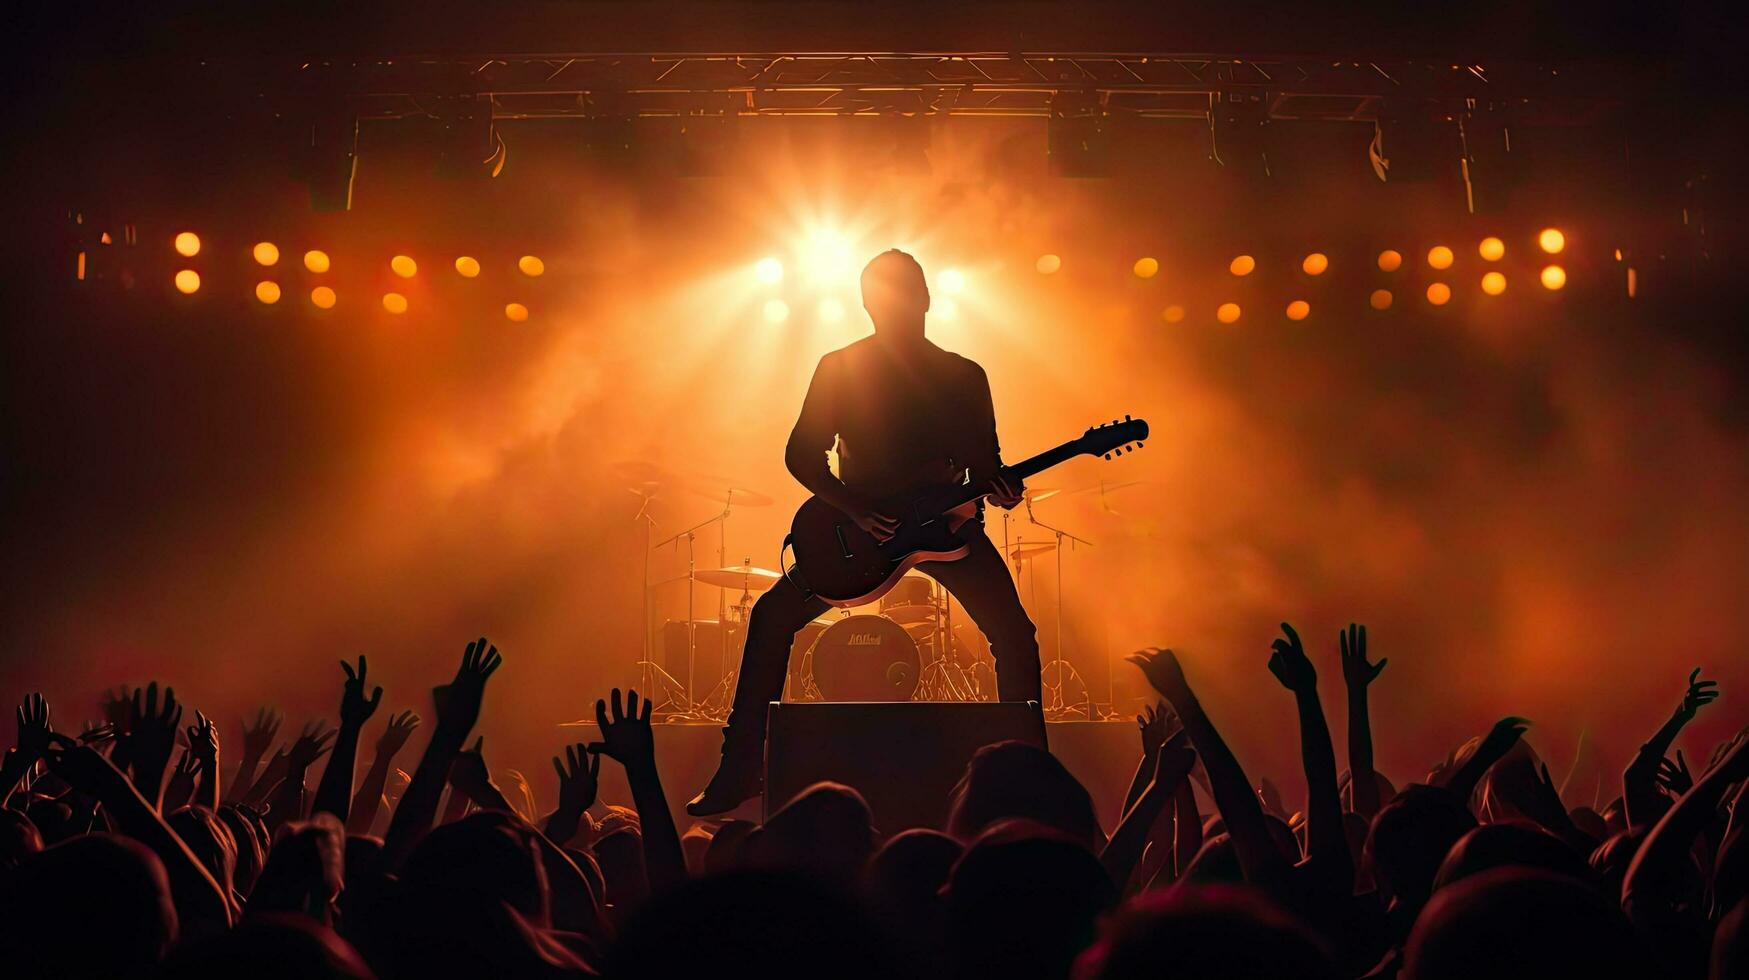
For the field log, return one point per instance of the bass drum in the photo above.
(864, 658)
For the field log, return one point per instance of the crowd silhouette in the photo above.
(131, 849)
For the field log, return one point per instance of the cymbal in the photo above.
(906, 615)
(646, 477)
(737, 496)
(1036, 494)
(735, 577)
(1103, 487)
(1029, 549)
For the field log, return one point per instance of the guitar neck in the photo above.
(1023, 469)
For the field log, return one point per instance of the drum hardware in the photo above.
(1054, 703)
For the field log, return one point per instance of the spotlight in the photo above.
(1315, 264)
(187, 281)
(187, 244)
(1390, 260)
(953, 281)
(1299, 309)
(831, 311)
(1227, 313)
(323, 297)
(266, 253)
(828, 260)
(515, 312)
(404, 266)
(1048, 263)
(1147, 267)
(395, 303)
(1242, 265)
(768, 270)
(1493, 284)
(1438, 293)
(1380, 299)
(944, 309)
(468, 266)
(1173, 314)
(267, 291)
(531, 266)
(316, 261)
(1550, 239)
(1439, 257)
(1491, 249)
(1554, 277)
(1077, 136)
(776, 311)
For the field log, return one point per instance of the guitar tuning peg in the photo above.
(1107, 455)
(1140, 445)
(1126, 418)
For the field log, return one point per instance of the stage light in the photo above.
(1390, 260)
(831, 311)
(1554, 277)
(1242, 265)
(828, 260)
(952, 281)
(1633, 282)
(531, 266)
(187, 244)
(1048, 263)
(944, 309)
(776, 311)
(1439, 257)
(404, 266)
(1227, 313)
(1493, 284)
(395, 303)
(1315, 264)
(468, 266)
(1491, 249)
(267, 291)
(515, 312)
(323, 297)
(316, 261)
(768, 270)
(1299, 309)
(1550, 239)
(1173, 314)
(266, 253)
(187, 281)
(1438, 293)
(1380, 299)
(1147, 267)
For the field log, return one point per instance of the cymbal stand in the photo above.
(710, 706)
(690, 710)
(1056, 690)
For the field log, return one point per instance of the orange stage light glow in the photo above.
(1494, 284)
(1390, 260)
(776, 311)
(1491, 249)
(1315, 264)
(187, 243)
(1299, 309)
(395, 303)
(531, 266)
(316, 261)
(1551, 240)
(1173, 314)
(1439, 257)
(515, 312)
(467, 266)
(1554, 277)
(266, 253)
(1048, 263)
(267, 291)
(768, 270)
(1147, 267)
(952, 281)
(1242, 265)
(1438, 293)
(404, 266)
(1228, 313)
(1380, 299)
(323, 297)
(187, 281)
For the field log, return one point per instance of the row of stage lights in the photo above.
(268, 291)
(769, 271)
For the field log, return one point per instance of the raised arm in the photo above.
(1172, 764)
(1658, 863)
(579, 779)
(334, 793)
(469, 776)
(368, 802)
(151, 738)
(1152, 722)
(1640, 795)
(458, 708)
(1493, 747)
(1326, 844)
(203, 745)
(627, 739)
(33, 740)
(257, 740)
(1357, 676)
(287, 800)
(1243, 814)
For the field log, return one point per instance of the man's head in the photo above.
(894, 293)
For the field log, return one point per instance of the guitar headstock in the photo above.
(1114, 438)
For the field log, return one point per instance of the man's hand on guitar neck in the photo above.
(1007, 492)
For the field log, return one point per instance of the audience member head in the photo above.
(304, 871)
(1510, 844)
(825, 829)
(1023, 902)
(1521, 924)
(251, 852)
(911, 868)
(1409, 839)
(210, 840)
(724, 851)
(1214, 863)
(19, 838)
(1204, 933)
(488, 854)
(52, 903)
(1015, 780)
(620, 856)
(270, 946)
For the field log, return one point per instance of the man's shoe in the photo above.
(736, 782)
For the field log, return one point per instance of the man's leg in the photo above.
(771, 630)
(980, 581)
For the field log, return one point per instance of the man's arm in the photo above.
(985, 461)
(815, 431)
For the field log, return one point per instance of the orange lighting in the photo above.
(1227, 313)
(1147, 267)
(266, 253)
(515, 312)
(404, 266)
(1438, 293)
(531, 265)
(768, 270)
(1491, 249)
(1048, 263)
(395, 303)
(467, 266)
(316, 261)
(187, 244)
(1242, 265)
(1299, 309)
(776, 311)
(1315, 264)
(1493, 284)
(1439, 257)
(187, 281)
(944, 309)
(323, 297)
(1551, 240)
(1380, 299)
(1554, 277)
(952, 281)
(831, 311)
(1390, 260)
(267, 291)
(1173, 314)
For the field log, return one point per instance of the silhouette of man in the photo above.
(903, 414)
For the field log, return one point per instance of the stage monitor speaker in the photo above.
(904, 758)
(718, 649)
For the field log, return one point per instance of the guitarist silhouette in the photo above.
(904, 415)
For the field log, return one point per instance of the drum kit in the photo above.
(908, 647)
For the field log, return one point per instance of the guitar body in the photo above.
(844, 565)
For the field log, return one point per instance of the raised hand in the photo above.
(258, 738)
(469, 774)
(180, 789)
(312, 744)
(1175, 761)
(1699, 693)
(203, 741)
(579, 774)
(1290, 665)
(1674, 776)
(396, 735)
(83, 767)
(626, 736)
(1493, 747)
(96, 733)
(152, 736)
(1155, 723)
(1162, 670)
(355, 708)
(33, 728)
(458, 702)
(1356, 672)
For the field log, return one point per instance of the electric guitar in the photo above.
(846, 566)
